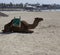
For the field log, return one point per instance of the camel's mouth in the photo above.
(39, 19)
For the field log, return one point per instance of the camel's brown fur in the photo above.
(25, 27)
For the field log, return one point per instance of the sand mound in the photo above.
(4, 15)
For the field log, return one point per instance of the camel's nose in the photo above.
(41, 19)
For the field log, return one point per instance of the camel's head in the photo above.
(39, 19)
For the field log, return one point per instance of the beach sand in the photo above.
(44, 41)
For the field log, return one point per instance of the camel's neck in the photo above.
(35, 23)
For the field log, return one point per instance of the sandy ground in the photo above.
(44, 41)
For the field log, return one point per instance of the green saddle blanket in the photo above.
(16, 22)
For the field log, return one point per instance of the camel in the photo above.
(25, 27)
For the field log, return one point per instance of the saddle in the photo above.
(16, 22)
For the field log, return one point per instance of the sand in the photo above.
(4, 15)
(44, 41)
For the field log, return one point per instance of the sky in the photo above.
(31, 1)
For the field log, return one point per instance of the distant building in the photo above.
(31, 7)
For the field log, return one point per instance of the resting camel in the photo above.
(25, 27)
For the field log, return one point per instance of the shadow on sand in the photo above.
(15, 32)
(5, 33)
